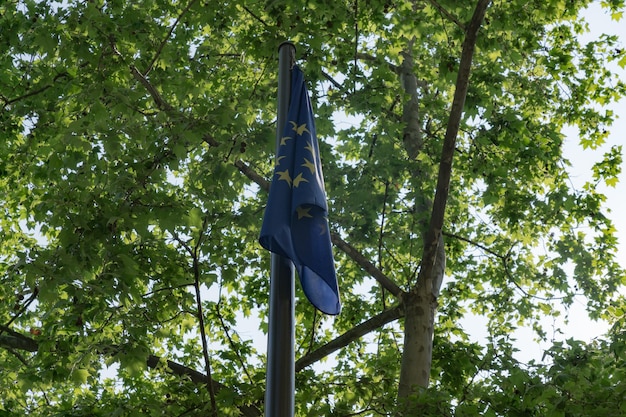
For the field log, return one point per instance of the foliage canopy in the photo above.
(137, 145)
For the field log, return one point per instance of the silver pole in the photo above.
(280, 370)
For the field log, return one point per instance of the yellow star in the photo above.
(283, 140)
(300, 129)
(310, 165)
(322, 227)
(309, 147)
(303, 212)
(284, 175)
(278, 158)
(298, 180)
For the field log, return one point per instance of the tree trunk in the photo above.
(420, 303)
(419, 319)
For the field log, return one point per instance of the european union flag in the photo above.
(295, 224)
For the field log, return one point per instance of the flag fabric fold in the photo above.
(295, 225)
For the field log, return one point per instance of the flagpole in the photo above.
(280, 368)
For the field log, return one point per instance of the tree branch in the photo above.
(332, 80)
(34, 92)
(445, 166)
(356, 256)
(23, 308)
(471, 242)
(350, 336)
(168, 36)
(231, 342)
(381, 235)
(254, 16)
(17, 341)
(412, 132)
(367, 57)
(447, 14)
(253, 175)
(158, 100)
(196, 285)
(199, 378)
(505, 265)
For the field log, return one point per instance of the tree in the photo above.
(136, 157)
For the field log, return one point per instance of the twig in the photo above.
(505, 265)
(28, 302)
(196, 284)
(356, 42)
(230, 340)
(380, 238)
(167, 37)
(7, 101)
(149, 293)
(471, 242)
(332, 80)
(312, 340)
(254, 16)
(367, 57)
(447, 14)
(519, 287)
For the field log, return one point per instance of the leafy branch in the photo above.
(168, 36)
(194, 253)
(231, 342)
(23, 308)
(8, 102)
(447, 14)
(17, 341)
(369, 267)
(504, 259)
(350, 336)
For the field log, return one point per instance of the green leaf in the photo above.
(79, 376)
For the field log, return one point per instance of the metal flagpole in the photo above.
(280, 368)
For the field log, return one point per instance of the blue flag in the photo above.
(295, 224)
